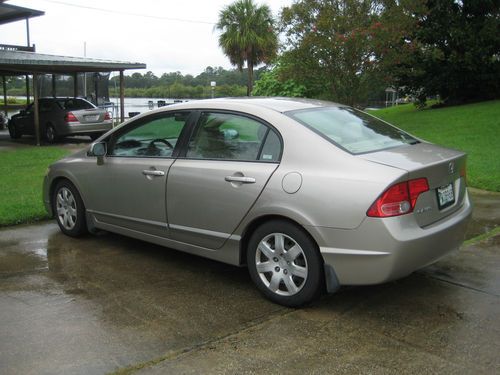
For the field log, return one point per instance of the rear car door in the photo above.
(228, 161)
(129, 187)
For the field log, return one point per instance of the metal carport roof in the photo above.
(21, 62)
(11, 13)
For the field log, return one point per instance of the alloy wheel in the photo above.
(50, 133)
(281, 264)
(66, 208)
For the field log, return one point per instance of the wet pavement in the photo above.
(107, 303)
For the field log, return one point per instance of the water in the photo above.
(140, 105)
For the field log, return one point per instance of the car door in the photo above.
(25, 120)
(210, 188)
(129, 187)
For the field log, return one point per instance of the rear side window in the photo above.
(352, 130)
(45, 105)
(233, 137)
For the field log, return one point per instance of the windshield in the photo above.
(352, 130)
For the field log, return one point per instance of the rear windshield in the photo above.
(76, 104)
(352, 130)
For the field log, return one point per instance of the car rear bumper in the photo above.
(381, 250)
(86, 128)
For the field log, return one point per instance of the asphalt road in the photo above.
(108, 303)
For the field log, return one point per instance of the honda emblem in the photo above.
(451, 167)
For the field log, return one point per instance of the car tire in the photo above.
(13, 131)
(50, 134)
(69, 209)
(285, 264)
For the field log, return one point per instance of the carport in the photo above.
(23, 60)
(15, 62)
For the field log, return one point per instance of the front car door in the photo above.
(129, 189)
(214, 183)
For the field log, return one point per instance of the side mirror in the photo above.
(99, 150)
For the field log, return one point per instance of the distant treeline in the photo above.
(168, 85)
(179, 90)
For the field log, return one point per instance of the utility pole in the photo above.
(85, 74)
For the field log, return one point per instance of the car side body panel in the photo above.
(204, 205)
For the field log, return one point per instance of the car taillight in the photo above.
(107, 116)
(399, 199)
(70, 117)
(463, 173)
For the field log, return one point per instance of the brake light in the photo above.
(399, 199)
(70, 117)
(107, 116)
(463, 173)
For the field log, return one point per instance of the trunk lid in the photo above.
(444, 169)
(88, 116)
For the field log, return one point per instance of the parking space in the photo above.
(73, 143)
(108, 303)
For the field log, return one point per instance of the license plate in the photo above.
(91, 117)
(446, 196)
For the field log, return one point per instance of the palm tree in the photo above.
(247, 35)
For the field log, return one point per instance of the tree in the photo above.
(247, 35)
(455, 52)
(271, 84)
(329, 47)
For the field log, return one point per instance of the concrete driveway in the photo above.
(108, 303)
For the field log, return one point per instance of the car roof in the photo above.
(61, 98)
(278, 104)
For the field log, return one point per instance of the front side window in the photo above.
(233, 137)
(353, 130)
(155, 137)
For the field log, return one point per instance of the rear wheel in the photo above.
(13, 131)
(284, 263)
(69, 209)
(50, 134)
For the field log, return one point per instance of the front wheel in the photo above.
(69, 209)
(284, 263)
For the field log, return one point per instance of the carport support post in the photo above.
(75, 85)
(27, 89)
(122, 100)
(36, 108)
(4, 95)
(53, 85)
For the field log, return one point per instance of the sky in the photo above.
(166, 35)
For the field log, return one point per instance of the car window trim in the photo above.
(197, 124)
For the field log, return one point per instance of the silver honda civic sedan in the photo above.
(309, 195)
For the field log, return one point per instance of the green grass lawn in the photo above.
(473, 128)
(21, 177)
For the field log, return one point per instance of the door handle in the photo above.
(152, 172)
(242, 179)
